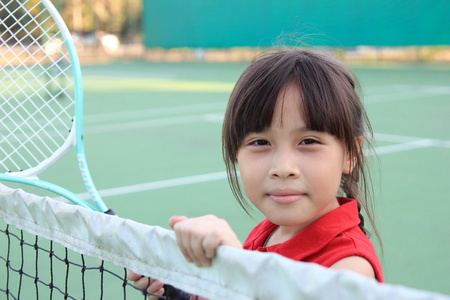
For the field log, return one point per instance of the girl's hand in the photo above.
(198, 238)
(152, 285)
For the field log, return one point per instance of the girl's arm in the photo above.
(356, 264)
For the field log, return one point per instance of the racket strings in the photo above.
(59, 114)
(23, 33)
(38, 100)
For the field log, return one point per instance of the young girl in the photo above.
(295, 128)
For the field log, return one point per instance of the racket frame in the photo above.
(75, 137)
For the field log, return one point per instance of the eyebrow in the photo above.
(305, 128)
(299, 129)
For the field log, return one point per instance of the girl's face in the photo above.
(289, 172)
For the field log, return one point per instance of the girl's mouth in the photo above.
(285, 196)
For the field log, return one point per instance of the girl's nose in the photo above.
(284, 165)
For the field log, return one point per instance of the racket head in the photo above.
(40, 88)
(41, 99)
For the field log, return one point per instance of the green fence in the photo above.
(263, 23)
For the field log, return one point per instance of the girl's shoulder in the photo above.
(352, 242)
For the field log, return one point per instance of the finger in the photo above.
(210, 244)
(190, 244)
(142, 282)
(198, 253)
(181, 241)
(155, 288)
(186, 231)
(152, 286)
(184, 240)
(176, 219)
(133, 276)
(160, 292)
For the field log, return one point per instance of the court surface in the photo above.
(153, 145)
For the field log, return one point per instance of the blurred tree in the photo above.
(121, 17)
(18, 20)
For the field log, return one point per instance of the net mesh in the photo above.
(34, 268)
(53, 250)
(36, 85)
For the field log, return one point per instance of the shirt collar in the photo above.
(318, 234)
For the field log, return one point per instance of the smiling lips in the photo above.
(285, 196)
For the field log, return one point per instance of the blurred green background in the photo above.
(157, 76)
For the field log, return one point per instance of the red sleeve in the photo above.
(348, 244)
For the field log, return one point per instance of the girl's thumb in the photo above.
(176, 219)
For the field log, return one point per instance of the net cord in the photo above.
(152, 251)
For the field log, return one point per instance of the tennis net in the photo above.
(51, 249)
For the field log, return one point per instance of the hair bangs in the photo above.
(252, 102)
(326, 100)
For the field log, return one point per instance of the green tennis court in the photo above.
(153, 144)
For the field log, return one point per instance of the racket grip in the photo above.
(175, 294)
(110, 212)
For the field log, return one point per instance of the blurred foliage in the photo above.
(93, 18)
(121, 17)
(18, 22)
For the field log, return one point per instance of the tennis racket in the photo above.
(41, 100)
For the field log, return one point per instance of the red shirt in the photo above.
(330, 238)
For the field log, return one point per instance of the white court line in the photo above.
(405, 95)
(409, 140)
(142, 124)
(394, 97)
(403, 147)
(202, 112)
(195, 118)
(409, 145)
(158, 185)
(146, 113)
(436, 89)
(394, 138)
(128, 126)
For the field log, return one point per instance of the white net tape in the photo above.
(151, 250)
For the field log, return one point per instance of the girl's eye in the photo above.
(260, 143)
(308, 142)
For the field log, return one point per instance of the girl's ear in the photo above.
(348, 164)
(350, 161)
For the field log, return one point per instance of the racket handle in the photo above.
(175, 294)
(110, 212)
